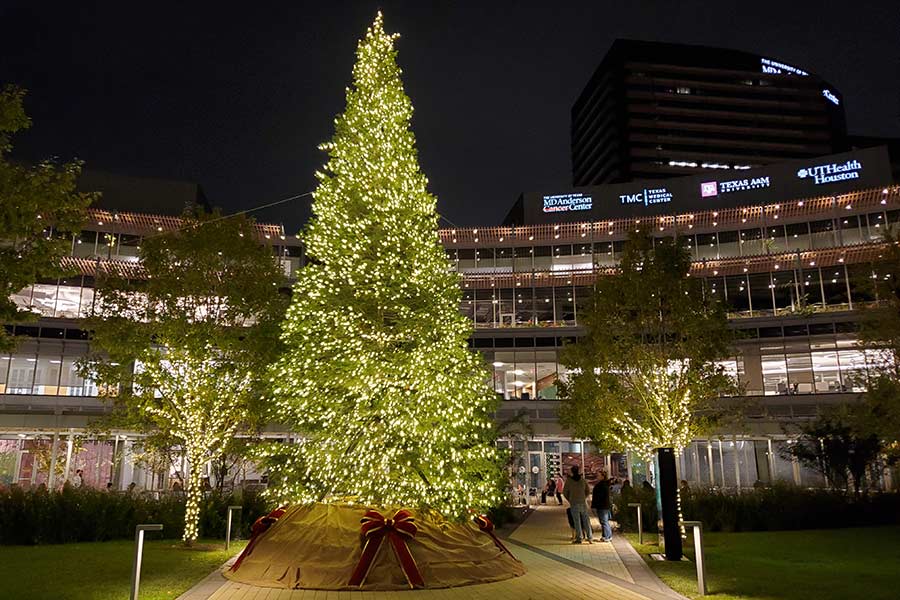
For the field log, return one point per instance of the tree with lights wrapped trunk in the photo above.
(186, 338)
(645, 376)
(393, 410)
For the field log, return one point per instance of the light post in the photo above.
(698, 555)
(231, 510)
(138, 555)
(640, 520)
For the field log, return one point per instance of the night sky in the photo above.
(238, 99)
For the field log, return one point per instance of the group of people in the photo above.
(577, 492)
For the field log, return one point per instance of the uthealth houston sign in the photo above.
(831, 172)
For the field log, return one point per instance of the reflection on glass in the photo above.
(46, 376)
(21, 374)
(70, 382)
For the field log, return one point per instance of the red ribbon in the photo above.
(485, 525)
(260, 526)
(399, 530)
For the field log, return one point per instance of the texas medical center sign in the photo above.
(720, 188)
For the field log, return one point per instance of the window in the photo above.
(760, 293)
(46, 377)
(70, 382)
(543, 306)
(774, 371)
(850, 230)
(834, 286)
(21, 373)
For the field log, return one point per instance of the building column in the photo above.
(712, 468)
(98, 450)
(722, 463)
(628, 466)
(126, 466)
(18, 467)
(51, 477)
(696, 448)
(582, 457)
(737, 463)
(771, 456)
(795, 467)
(69, 444)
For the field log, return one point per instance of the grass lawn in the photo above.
(102, 570)
(820, 564)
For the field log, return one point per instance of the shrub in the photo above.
(73, 514)
(785, 506)
(780, 507)
(626, 516)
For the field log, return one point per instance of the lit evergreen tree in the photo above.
(393, 408)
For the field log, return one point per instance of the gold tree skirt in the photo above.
(318, 546)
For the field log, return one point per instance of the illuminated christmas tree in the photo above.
(377, 378)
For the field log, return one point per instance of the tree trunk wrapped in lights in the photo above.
(188, 343)
(377, 378)
(646, 374)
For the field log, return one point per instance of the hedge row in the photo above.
(87, 515)
(780, 507)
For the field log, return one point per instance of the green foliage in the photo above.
(880, 329)
(377, 377)
(780, 507)
(645, 373)
(840, 444)
(881, 413)
(32, 200)
(87, 515)
(188, 343)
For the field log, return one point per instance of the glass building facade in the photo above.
(793, 277)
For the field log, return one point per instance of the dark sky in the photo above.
(237, 99)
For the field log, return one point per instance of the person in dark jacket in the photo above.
(601, 504)
(576, 490)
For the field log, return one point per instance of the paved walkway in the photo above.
(557, 570)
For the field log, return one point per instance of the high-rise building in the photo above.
(656, 110)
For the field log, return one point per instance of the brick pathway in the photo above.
(557, 570)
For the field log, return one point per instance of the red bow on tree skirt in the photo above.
(486, 526)
(399, 530)
(260, 526)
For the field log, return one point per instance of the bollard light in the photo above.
(231, 509)
(138, 555)
(698, 554)
(637, 505)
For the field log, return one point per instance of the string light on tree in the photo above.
(377, 378)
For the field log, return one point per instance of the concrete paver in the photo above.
(556, 570)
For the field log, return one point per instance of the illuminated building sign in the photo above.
(831, 97)
(567, 203)
(647, 196)
(771, 66)
(714, 188)
(832, 172)
(719, 188)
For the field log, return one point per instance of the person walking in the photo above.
(576, 491)
(559, 488)
(600, 502)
